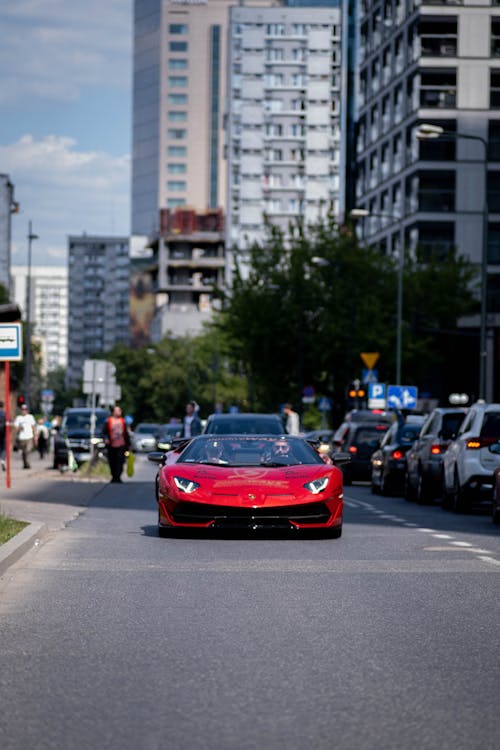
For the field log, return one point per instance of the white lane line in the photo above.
(442, 536)
(491, 560)
(426, 531)
(462, 544)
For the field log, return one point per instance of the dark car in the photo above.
(373, 416)
(244, 424)
(424, 460)
(167, 434)
(495, 517)
(388, 461)
(76, 434)
(360, 441)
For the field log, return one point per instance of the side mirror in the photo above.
(157, 457)
(341, 458)
(495, 448)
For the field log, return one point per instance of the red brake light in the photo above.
(436, 450)
(353, 449)
(397, 455)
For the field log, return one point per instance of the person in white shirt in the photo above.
(292, 424)
(26, 434)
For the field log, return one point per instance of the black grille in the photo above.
(222, 514)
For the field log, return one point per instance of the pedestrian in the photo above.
(26, 434)
(2, 435)
(292, 423)
(192, 421)
(117, 439)
(43, 437)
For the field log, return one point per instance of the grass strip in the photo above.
(9, 527)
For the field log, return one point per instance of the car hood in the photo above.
(256, 486)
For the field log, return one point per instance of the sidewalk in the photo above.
(44, 497)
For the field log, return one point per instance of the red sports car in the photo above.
(249, 482)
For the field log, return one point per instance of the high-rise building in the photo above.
(436, 64)
(178, 103)
(99, 286)
(286, 118)
(8, 206)
(49, 310)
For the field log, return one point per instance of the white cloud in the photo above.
(63, 190)
(52, 48)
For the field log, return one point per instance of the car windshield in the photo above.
(240, 450)
(81, 421)
(409, 433)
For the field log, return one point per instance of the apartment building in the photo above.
(285, 120)
(48, 310)
(434, 63)
(99, 287)
(8, 206)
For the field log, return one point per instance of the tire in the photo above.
(408, 493)
(460, 502)
(347, 481)
(385, 486)
(422, 490)
(495, 518)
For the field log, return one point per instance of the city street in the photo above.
(111, 637)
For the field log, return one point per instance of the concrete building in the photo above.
(8, 206)
(99, 285)
(286, 119)
(436, 63)
(178, 103)
(49, 310)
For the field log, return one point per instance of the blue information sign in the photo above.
(11, 345)
(402, 396)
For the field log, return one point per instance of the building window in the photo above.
(436, 191)
(177, 63)
(495, 37)
(176, 168)
(175, 202)
(177, 116)
(177, 99)
(177, 134)
(494, 243)
(435, 240)
(495, 89)
(438, 88)
(494, 140)
(177, 151)
(178, 46)
(178, 28)
(439, 149)
(494, 192)
(176, 185)
(177, 81)
(438, 36)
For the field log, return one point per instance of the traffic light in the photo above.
(21, 400)
(356, 394)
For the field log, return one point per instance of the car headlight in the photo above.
(185, 485)
(317, 485)
(164, 446)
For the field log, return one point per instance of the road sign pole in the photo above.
(7, 424)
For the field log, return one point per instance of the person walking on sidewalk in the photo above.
(292, 422)
(117, 438)
(26, 434)
(43, 437)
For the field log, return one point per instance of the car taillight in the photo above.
(397, 455)
(353, 449)
(436, 449)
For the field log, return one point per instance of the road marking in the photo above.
(489, 560)
(442, 536)
(462, 544)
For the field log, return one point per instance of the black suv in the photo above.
(360, 441)
(75, 434)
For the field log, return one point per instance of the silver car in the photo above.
(144, 437)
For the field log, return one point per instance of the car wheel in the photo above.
(375, 488)
(496, 516)
(460, 500)
(408, 492)
(385, 486)
(422, 490)
(347, 477)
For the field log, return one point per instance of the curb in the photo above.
(16, 547)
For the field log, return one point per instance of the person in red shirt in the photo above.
(117, 438)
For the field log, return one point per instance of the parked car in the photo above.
(244, 424)
(280, 483)
(144, 437)
(76, 434)
(167, 434)
(495, 515)
(388, 461)
(375, 416)
(424, 460)
(468, 464)
(360, 441)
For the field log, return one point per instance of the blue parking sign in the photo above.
(376, 396)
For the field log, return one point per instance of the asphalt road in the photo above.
(386, 638)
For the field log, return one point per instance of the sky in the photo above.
(65, 120)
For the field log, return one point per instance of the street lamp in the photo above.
(426, 131)
(27, 377)
(363, 213)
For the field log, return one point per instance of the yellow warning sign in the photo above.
(370, 358)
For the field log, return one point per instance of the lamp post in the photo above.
(427, 131)
(363, 213)
(27, 377)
